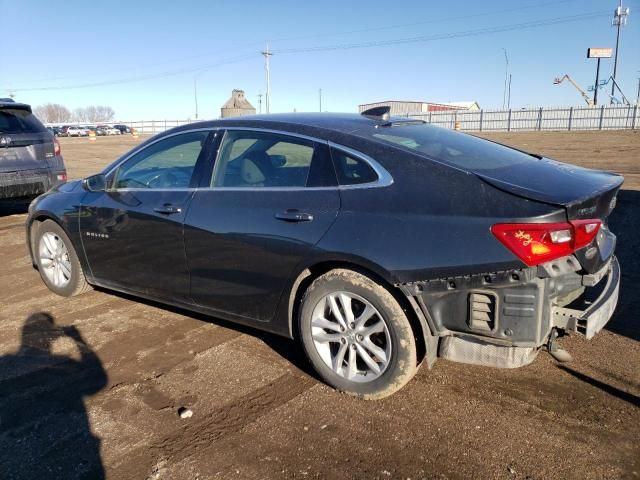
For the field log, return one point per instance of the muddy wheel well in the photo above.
(34, 224)
(307, 276)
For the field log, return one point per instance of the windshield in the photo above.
(15, 120)
(460, 150)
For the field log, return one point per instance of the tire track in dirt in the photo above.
(11, 226)
(195, 437)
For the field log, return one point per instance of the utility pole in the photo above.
(506, 76)
(509, 94)
(320, 98)
(195, 94)
(259, 103)
(638, 94)
(619, 19)
(267, 54)
(595, 90)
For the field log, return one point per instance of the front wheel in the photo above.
(57, 260)
(356, 335)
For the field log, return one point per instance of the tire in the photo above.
(57, 260)
(325, 342)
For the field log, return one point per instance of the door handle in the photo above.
(167, 209)
(294, 216)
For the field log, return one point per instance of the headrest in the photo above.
(250, 173)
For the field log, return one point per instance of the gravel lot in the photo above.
(91, 386)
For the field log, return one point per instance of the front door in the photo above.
(132, 233)
(271, 199)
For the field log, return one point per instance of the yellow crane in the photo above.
(587, 98)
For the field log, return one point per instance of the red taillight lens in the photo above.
(56, 147)
(536, 243)
(585, 231)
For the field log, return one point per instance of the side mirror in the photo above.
(95, 183)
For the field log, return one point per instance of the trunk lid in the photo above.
(584, 193)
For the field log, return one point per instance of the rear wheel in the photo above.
(356, 335)
(57, 260)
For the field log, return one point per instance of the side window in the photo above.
(168, 163)
(352, 170)
(249, 159)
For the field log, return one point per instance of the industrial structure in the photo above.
(237, 105)
(400, 107)
(587, 98)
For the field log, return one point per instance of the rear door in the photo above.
(271, 198)
(132, 233)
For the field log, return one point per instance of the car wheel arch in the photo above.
(311, 272)
(36, 220)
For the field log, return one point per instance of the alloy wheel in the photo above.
(351, 336)
(54, 259)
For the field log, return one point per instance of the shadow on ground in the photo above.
(605, 387)
(42, 411)
(14, 206)
(625, 223)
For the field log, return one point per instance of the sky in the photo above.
(143, 57)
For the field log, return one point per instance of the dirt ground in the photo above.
(90, 386)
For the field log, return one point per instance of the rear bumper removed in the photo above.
(502, 319)
(590, 321)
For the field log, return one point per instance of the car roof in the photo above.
(337, 122)
(14, 105)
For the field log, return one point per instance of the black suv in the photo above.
(123, 128)
(30, 160)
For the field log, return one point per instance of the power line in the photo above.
(344, 46)
(326, 34)
(142, 77)
(427, 22)
(446, 36)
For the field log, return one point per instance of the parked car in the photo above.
(30, 158)
(107, 130)
(375, 242)
(74, 131)
(123, 128)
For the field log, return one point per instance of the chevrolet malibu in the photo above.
(377, 243)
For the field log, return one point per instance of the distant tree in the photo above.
(80, 115)
(103, 113)
(53, 113)
(94, 114)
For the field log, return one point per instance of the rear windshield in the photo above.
(460, 150)
(14, 120)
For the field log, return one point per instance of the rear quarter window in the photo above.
(456, 149)
(14, 120)
(351, 170)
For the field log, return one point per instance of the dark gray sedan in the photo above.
(374, 242)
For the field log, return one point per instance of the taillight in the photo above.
(56, 146)
(536, 243)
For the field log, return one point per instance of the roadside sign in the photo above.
(599, 52)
